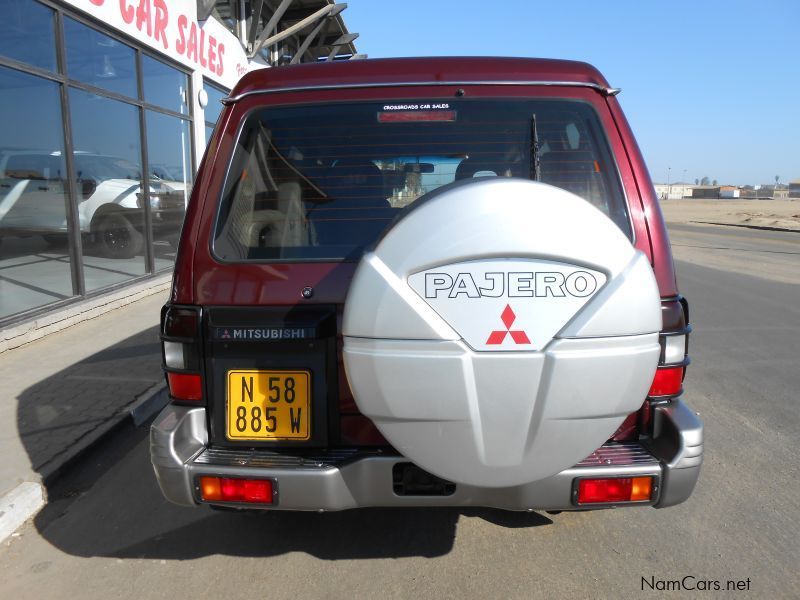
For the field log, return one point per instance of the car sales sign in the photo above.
(171, 28)
(507, 304)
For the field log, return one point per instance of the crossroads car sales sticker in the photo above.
(507, 305)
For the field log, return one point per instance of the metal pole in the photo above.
(669, 185)
(271, 24)
(72, 198)
(149, 252)
(263, 40)
(307, 42)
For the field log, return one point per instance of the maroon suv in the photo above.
(425, 282)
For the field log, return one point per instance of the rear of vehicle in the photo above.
(421, 282)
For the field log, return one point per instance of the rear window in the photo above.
(322, 182)
(33, 166)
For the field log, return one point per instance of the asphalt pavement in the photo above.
(66, 389)
(108, 533)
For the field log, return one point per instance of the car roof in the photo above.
(433, 70)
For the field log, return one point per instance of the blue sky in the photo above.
(711, 87)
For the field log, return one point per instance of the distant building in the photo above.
(732, 192)
(727, 192)
(705, 191)
(673, 191)
(776, 192)
(748, 191)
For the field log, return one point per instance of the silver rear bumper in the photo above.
(340, 480)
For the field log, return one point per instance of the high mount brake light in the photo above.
(180, 342)
(417, 116)
(674, 340)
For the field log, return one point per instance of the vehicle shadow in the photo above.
(59, 413)
(111, 506)
(108, 502)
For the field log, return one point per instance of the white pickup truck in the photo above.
(33, 190)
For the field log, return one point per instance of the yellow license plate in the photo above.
(269, 405)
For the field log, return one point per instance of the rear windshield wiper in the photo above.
(535, 169)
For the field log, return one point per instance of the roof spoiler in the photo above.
(606, 91)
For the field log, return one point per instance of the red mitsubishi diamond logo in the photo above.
(497, 337)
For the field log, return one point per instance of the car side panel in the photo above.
(661, 254)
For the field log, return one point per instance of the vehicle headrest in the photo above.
(467, 168)
(355, 178)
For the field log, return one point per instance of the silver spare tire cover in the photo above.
(501, 331)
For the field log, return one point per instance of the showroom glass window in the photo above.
(27, 33)
(99, 59)
(107, 156)
(169, 154)
(165, 86)
(34, 259)
(34, 255)
(104, 205)
(109, 180)
(213, 108)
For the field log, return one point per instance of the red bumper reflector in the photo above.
(252, 491)
(667, 382)
(619, 489)
(183, 386)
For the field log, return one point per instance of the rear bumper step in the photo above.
(349, 478)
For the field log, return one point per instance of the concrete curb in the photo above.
(136, 411)
(744, 226)
(149, 403)
(27, 499)
(18, 506)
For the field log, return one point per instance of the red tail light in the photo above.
(615, 490)
(183, 386)
(180, 342)
(667, 382)
(674, 340)
(228, 489)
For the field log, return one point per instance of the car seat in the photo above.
(572, 169)
(357, 209)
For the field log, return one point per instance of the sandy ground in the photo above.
(781, 214)
(764, 254)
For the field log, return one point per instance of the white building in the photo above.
(673, 191)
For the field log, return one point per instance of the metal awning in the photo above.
(285, 31)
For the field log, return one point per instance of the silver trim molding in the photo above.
(606, 91)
